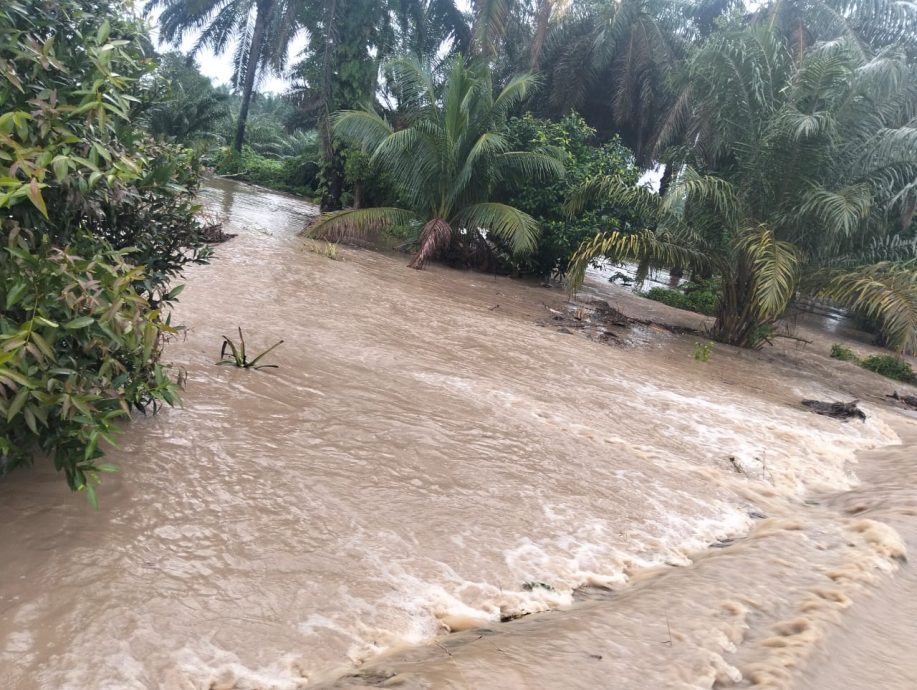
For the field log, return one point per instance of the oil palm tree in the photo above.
(612, 61)
(262, 30)
(445, 163)
(423, 26)
(801, 178)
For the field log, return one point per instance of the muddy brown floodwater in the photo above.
(429, 458)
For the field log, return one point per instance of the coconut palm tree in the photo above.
(801, 178)
(423, 26)
(613, 62)
(446, 163)
(262, 30)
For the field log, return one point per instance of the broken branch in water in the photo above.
(837, 410)
(907, 400)
(791, 337)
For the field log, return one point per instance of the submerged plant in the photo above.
(702, 351)
(891, 367)
(845, 354)
(327, 249)
(238, 356)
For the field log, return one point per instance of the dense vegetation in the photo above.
(509, 136)
(785, 139)
(886, 365)
(98, 219)
(446, 164)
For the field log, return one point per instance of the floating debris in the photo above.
(909, 401)
(837, 410)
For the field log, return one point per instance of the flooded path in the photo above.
(428, 458)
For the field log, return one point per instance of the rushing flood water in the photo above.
(428, 458)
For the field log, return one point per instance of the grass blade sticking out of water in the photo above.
(238, 356)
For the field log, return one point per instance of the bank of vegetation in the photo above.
(511, 136)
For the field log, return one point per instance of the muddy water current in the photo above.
(433, 457)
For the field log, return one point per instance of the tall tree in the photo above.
(796, 179)
(186, 105)
(612, 62)
(424, 26)
(546, 9)
(446, 163)
(262, 30)
(339, 69)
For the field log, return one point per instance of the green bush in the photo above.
(891, 367)
(296, 174)
(887, 365)
(584, 158)
(80, 349)
(86, 199)
(184, 106)
(674, 298)
(698, 297)
(845, 354)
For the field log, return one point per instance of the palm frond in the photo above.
(489, 24)
(665, 248)
(840, 212)
(530, 165)
(504, 221)
(715, 190)
(488, 145)
(605, 188)
(363, 126)
(434, 239)
(359, 223)
(774, 268)
(516, 91)
(414, 82)
(886, 292)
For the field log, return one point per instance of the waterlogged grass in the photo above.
(234, 354)
(702, 351)
(845, 354)
(888, 366)
(327, 249)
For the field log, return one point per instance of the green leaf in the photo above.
(21, 396)
(12, 297)
(34, 192)
(91, 495)
(103, 32)
(42, 345)
(61, 167)
(81, 322)
(17, 377)
(30, 420)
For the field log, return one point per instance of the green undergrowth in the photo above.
(699, 297)
(888, 366)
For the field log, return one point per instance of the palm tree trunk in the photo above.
(358, 194)
(332, 166)
(666, 180)
(542, 19)
(434, 238)
(262, 10)
(737, 321)
(642, 272)
(907, 214)
(676, 273)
